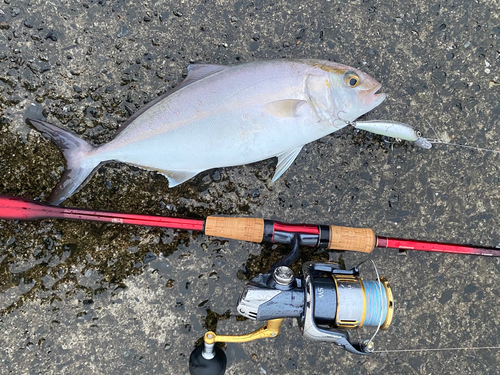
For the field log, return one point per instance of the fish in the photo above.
(223, 116)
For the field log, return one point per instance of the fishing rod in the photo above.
(241, 228)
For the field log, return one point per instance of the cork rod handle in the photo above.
(238, 228)
(352, 239)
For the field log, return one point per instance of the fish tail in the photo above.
(79, 164)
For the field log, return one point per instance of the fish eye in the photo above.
(352, 79)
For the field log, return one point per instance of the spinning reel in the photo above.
(325, 299)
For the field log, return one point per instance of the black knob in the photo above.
(199, 365)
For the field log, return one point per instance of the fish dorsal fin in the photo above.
(196, 72)
(177, 177)
(318, 91)
(284, 108)
(285, 159)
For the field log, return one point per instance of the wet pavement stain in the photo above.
(91, 298)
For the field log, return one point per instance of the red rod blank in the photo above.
(396, 243)
(12, 208)
(296, 228)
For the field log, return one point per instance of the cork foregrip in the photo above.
(238, 228)
(352, 239)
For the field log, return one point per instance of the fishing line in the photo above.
(440, 141)
(435, 349)
(381, 301)
(434, 130)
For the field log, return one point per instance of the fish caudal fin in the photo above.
(79, 166)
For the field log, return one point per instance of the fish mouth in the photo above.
(370, 98)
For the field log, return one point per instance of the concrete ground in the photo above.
(86, 298)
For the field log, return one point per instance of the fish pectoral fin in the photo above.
(285, 159)
(177, 177)
(284, 108)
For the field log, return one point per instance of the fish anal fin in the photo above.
(285, 159)
(177, 177)
(174, 177)
(284, 108)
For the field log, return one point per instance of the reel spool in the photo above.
(325, 299)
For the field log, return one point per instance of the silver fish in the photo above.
(222, 116)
